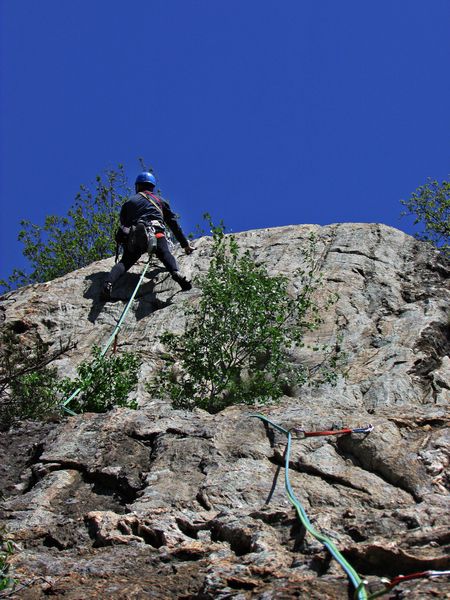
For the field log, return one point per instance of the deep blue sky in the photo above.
(263, 112)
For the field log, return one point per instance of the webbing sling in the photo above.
(153, 200)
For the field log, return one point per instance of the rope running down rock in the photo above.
(113, 336)
(352, 574)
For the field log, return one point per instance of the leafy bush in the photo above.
(6, 551)
(235, 345)
(38, 393)
(104, 382)
(85, 235)
(430, 204)
(28, 386)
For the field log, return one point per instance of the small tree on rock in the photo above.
(236, 341)
(430, 204)
(86, 234)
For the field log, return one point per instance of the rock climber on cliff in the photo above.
(148, 209)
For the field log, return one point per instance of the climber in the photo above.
(147, 208)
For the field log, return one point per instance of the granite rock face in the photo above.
(163, 503)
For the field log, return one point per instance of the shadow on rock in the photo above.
(148, 302)
(93, 293)
(155, 272)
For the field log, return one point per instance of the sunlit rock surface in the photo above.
(163, 503)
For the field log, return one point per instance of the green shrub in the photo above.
(28, 386)
(6, 551)
(235, 345)
(104, 381)
(38, 393)
(430, 205)
(86, 234)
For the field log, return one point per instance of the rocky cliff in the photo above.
(162, 503)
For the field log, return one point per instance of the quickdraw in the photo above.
(302, 433)
(389, 584)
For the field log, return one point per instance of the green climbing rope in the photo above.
(112, 337)
(352, 574)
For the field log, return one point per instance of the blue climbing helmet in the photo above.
(145, 177)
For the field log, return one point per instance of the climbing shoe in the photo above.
(184, 283)
(105, 294)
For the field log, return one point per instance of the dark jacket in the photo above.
(137, 208)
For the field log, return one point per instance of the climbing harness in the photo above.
(358, 583)
(352, 574)
(159, 225)
(113, 336)
(132, 239)
(141, 238)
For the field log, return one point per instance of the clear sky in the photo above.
(262, 112)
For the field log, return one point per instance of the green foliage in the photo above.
(86, 234)
(104, 382)
(430, 204)
(28, 386)
(38, 393)
(6, 551)
(234, 347)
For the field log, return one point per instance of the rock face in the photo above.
(163, 503)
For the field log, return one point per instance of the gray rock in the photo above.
(160, 503)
